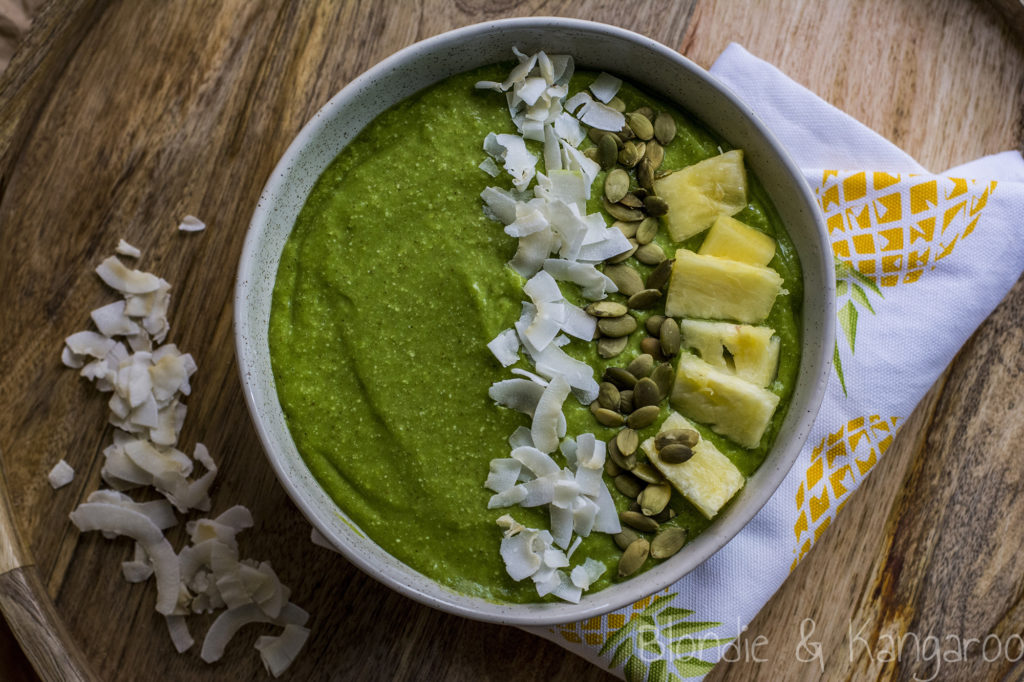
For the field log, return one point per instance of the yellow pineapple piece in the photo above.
(698, 194)
(708, 479)
(732, 407)
(716, 288)
(751, 353)
(729, 238)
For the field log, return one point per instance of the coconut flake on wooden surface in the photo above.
(190, 223)
(60, 475)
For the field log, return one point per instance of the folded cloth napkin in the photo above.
(903, 239)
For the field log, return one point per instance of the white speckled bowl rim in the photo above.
(643, 62)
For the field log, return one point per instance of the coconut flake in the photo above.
(190, 223)
(601, 116)
(503, 474)
(318, 539)
(112, 321)
(117, 276)
(488, 166)
(586, 574)
(278, 653)
(180, 636)
(126, 249)
(60, 475)
(605, 87)
(548, 425)
(231, 621)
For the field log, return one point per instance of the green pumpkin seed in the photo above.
(617, 104)
(628, 441)
(675, 454)
(641, 365)
(646, 232)
(594, 407)
(625, 278)
(633, 557)
(628, 484)
(607, 151)
(595, 134)
(660, 274)
(664, 128)
(616, 327)
(638, 521)
(616, 185)
(654, 498)
(627, 229)
(655, 205)
(608, 395)
(651, 346)
(626, 134)
(653, 325)
(620, 212)
(645, 174)
(625, 255)
(644, 300)
(670, 337)
(632, 200)
(687, 437)
(607, 417)
(647, 473)
(663, 376)
(620, 377)
(646, 393)
(606, 309)
(625, 538)
(646, 111)
(643, 417)
(665, 516)
(650, 254)
(611, 468)
(592, 154)
(640, 125)
(631, 153)
(626, 402)
(608, 347)
(667, 542)
(655, 154)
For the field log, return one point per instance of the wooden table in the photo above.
(117, 119)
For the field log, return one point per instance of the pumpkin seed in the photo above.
(629, 485)
(667, 542)
(655, 154)
(616, 327)
(606, 309)
(640, 125)
(660, 274)
(646, 393)
(607, 151)
(655, 205)
(627, 229)
(607, 417)
(592, 154)
(620, 212)
(670, 338)
(666, 515)
(687, 437)
(644, 300)
(626, 279)
(654, 498)
(634, 506)
(620, 377)
(647, 473)
(664, 128)
(626, 402)
(595, 134)
(650, 254)
(651, 346)
(608, 347)
(625, 255)
(638, 521)
(631, 153)
(625, 538)
(617, 104)
(641, 365)
(627, 440)
(594, 407)
(646, 232)
(643, 417)
(653, 325)
(646, 111)
(616, 185)
(611, 468)
(625, 134)
(676, 453)
(608, 395)
(663, 376)
(614, 455)
(645, 174)
(634, 557)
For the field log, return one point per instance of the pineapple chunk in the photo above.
(698, 194)
(729, 238)
(732, 407)
(708, 479)
(751, 353)
(716, 288)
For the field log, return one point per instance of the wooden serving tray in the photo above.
(117, 119)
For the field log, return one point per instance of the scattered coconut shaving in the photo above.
(558, 242)
(148, 381)
(190, 223)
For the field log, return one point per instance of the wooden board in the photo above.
(117, 119)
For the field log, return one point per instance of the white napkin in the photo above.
(922, 260)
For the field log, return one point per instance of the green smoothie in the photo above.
(389, 288)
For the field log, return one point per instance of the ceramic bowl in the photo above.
(635, 58)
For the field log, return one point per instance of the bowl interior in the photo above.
(596, 46)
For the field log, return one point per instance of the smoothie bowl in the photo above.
(532, 318)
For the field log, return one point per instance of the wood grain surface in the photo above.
(117, 119)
